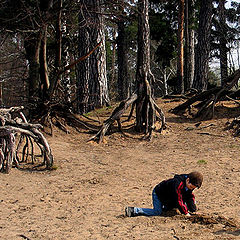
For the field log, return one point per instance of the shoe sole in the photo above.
(128, 212)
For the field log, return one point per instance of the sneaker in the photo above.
(129, 211)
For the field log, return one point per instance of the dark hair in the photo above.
(196, 179)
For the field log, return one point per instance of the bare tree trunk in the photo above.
(123, 75)
(222, 41)
(58, 45)
(99, 86)
(43, 64)
(165, 86)
(144, 76)
(112, 80)
(189, 45)
(146, 107)
(65, 79)
(83, 68)
(191, 53)
(186, 46)
(92, 78)
(203, 45)
(59, 36)
(32, 46)
(180, 85)
(36, 53)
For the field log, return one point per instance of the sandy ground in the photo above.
(85, 197)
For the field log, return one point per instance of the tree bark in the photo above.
(222, 31)
(92, 79)
(180, 85)
(43, 65)
(189, 44)
(32, 46)
(123, 75)
(145, 105)
(203, 45)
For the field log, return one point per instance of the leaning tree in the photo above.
(147, 110)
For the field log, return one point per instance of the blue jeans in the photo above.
(157, 207)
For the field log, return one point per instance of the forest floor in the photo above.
(85, 196)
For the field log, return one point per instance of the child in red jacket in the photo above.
(172, 193)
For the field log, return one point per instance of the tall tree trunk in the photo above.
(32, 46)
(65, 79)
(165, 86)
(203, 45)
(145, 105)
(189, 45)
(186, 46)
(45, 84)
(180, 85)
(92, 78)
(58, 46)
(143, 73)
(35, 45)
(83, 73)
(112, 79)
(123, 75)
(191, 52)
(58, 49)
(222, 31)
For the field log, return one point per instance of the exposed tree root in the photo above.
(205, 101)
(115, 116)
(120, 110)
(60, 115)
(17, 132)
(235, 126)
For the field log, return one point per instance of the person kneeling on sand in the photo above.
(176, 192)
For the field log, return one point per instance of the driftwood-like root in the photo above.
(209, 98)
(235, 126)
(18, 137)
(115, 116)
(151, 110)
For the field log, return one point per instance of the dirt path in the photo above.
(86, 196)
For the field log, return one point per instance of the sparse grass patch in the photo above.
(99, 111)
(202, 161)
(54, 167)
